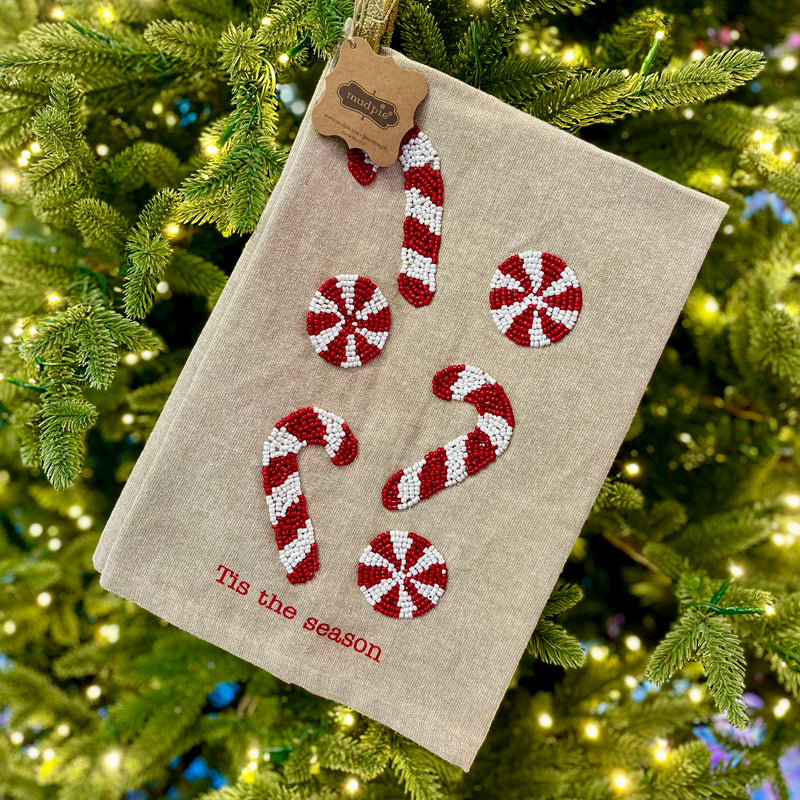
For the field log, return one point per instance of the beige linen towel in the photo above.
(195, 500)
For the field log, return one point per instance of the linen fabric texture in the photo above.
(195, 499)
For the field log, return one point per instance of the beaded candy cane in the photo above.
(297, 547)
(422, 228)
(465, 455)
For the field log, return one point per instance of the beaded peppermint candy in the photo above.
(535, 299)
(348, 320)
(288, 513)
(422, 228)
(402, 575)
(465, 455)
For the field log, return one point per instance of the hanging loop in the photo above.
(373, 20)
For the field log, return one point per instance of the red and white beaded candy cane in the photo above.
(422, 228)
(465, 455)
(401, 574)
(535, 299)
(297, 547)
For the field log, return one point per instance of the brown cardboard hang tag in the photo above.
(369, 101)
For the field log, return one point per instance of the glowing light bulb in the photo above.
(63, 729)
(787, 156)
(48, 754)
(758, 135)
(787, 63)
(266, 21)
(9, 627)
(736, 571)
(793, 528)
(769, 609)
(695, 694)
(112, 759)
(147, 354)
(17, 737)
(54, 545)
(32, 752)
(545, 720)
(569, 55)
(598, 652)
(127, 419)
(660, 754)
(352, 785)
(253, 752)
(43, 599)
(53, 298)
(792, 500)
(711, 305)
(109, 632)
(620, 781)
(632, 469)
(767, 146)
(252, 765)
(716, 179)
(659, 35)
(10, 178)
(93, 691)
(36, 530)
(107, 13)
(158, 107)
(728, 229)
(591, 730)
(631, 682)
(162, 287)
(283, 58)
(102, 149)
(85, 522)
(696, 54)
(781, 707)
(35, 147)
(130, 358)
(171, 119)
(778, 539)
(688, 113)
(73, 512)
(57, 12)
(349, 720)
(633, 643)
(211, 149)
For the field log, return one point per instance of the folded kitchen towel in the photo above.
(561, 271)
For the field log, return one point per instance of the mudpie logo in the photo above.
(358, 99)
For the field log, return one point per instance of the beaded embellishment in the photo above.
(402, 575)
(465, 455)
(294, 533)
(422, 228)
(348, 320)
(535, 299)
(361, 166)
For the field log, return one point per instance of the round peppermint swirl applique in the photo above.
(348, 320)
(402, 575)
(535, 299)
